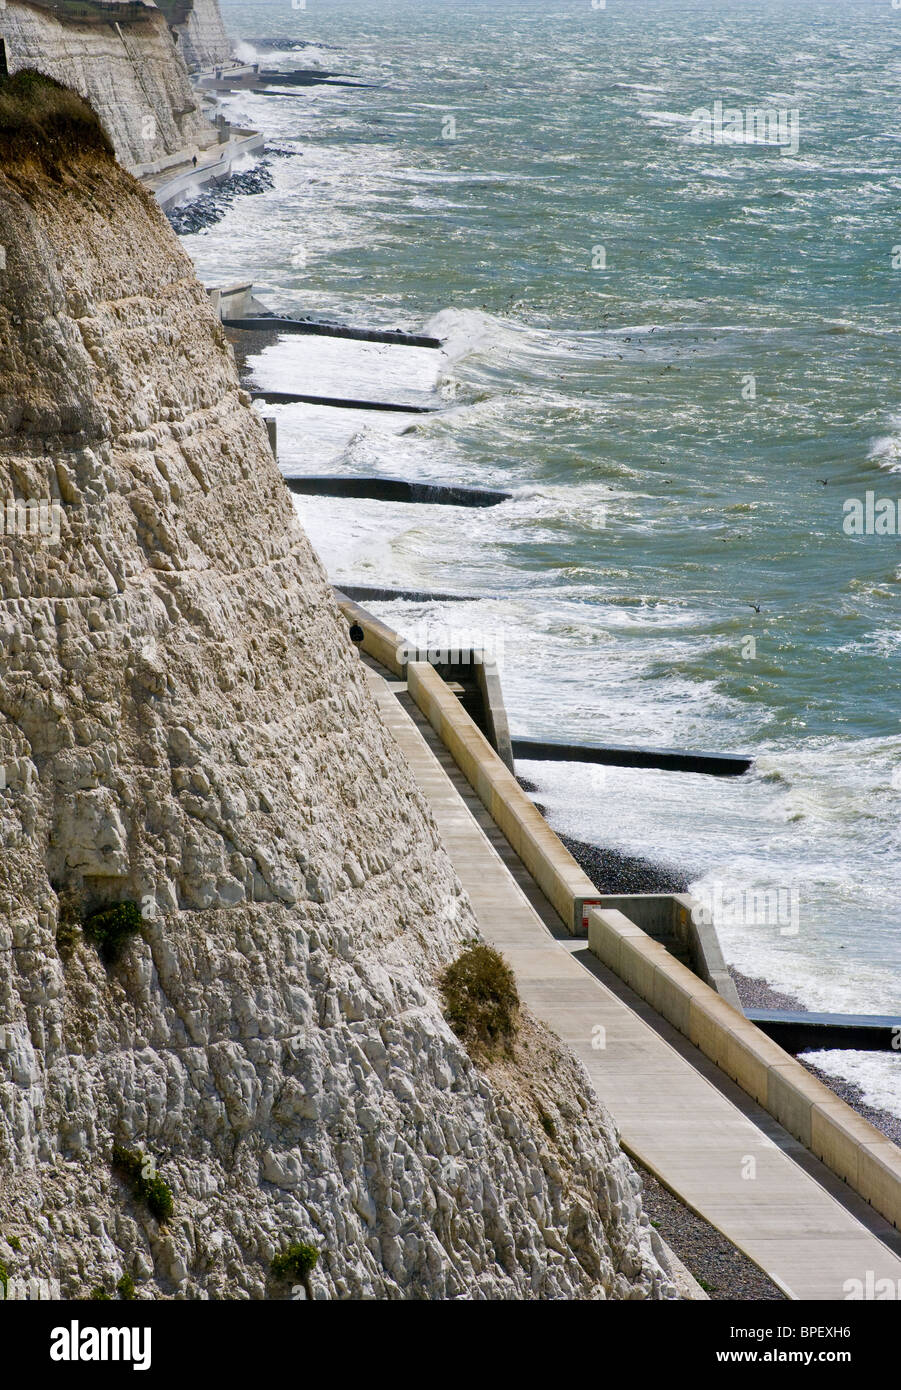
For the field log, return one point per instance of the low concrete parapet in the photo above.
(380, 641)
(377, 642)
(234, 299)
(566, 886)
(674, 917)
(848, 1144)
(489, 682)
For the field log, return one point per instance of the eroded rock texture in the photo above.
(184, 724)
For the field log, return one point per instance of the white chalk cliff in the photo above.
(200, 33)
(120, 56)
(185, 724)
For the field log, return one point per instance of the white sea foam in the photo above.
(308, 56)
(315, 438)
(668, 117)
(886, 449)
(877, 1074)
(316, 364)
(463, 331)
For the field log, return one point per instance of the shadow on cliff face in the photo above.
(40, 116)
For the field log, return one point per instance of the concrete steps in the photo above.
(677, 949)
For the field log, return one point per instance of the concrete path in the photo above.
(215, 162)
(708, 1142)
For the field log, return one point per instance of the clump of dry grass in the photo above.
(40, 115)
(481, 1001)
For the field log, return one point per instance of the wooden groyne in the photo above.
(253, 78)
(363, 593)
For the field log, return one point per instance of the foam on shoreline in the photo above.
(613, 872)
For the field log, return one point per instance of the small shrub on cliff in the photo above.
(126, 1287)
(158, 1196)
(481, 1001)
(146, 1184)
(99, 1293)
(296, 1263)
(111, 927)
(4, 1278)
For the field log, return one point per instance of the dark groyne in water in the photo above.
(802, 1032)
(619, 755)
(253, 78)
(362, 593)
(393, 336)
(396, 490)
(311, 77)
(339, 402)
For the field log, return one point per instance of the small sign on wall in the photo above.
(582, 908)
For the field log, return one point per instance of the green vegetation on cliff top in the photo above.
(41, 114)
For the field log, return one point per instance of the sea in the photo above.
(661, 244)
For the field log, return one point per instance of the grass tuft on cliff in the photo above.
(39, 114)
(481, 1001)
(297, 1262)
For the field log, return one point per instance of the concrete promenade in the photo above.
(171, 184)
(699, 1133)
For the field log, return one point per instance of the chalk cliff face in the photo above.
(202, 38)
(184, 724)
(122, 58)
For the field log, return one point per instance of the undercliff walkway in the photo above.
(677, 1113)
(170, 185)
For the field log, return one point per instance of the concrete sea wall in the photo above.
(848, 1144)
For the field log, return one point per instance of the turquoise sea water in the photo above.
(654, 501)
